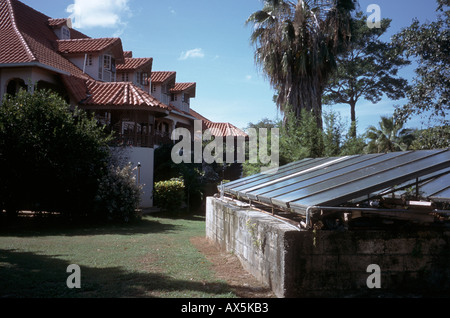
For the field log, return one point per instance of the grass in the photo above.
(152, 258)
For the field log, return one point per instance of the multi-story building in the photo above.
(142, 107)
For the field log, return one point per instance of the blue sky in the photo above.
(207, 42)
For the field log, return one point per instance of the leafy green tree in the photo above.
(255, 168)
(388, 137)
(432, 138)
(428, 44)
(333, 134)
(353, 145)
(300, 138)
(369, 69)
(296, 47)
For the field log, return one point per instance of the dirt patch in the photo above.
(228, 268)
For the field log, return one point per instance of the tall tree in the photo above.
(429, 45)
(369, 69)
(296, 45)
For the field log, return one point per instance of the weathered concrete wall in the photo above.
(330, 264)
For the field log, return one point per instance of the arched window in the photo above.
(15, 85)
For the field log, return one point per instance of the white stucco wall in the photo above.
(146, 157)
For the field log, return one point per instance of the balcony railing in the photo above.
(135, 135)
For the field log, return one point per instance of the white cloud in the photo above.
(99, 13)
(195, 53)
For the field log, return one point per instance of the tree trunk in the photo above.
(308, 96)
(353, 118)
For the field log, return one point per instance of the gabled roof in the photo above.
(120, 95)
(27, 38)
(56, 23)
(132, 64)
(87, 45)
(161, 77)
(82, 46)
(184, 87)
(218, 129)
(224, 130)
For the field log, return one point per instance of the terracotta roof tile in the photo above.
(134, 64)
(56, 22)
(14, 47)
(224, 130)
(87, 45)
(76, 86)
(181, 87)
(218, 129)
(120, 95)
(161, 77)
(26, 37)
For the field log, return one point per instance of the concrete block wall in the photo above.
(327, 263)
(255, 238)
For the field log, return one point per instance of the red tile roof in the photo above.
(161, 77)
(27, 38)
(182, 87)
(132, 64)
(57, 22)
(87, 45)
(218, 129)
(224, 130)
(14, 47)
(120, 95)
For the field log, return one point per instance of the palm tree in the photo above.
(389, 137)
(296, 47)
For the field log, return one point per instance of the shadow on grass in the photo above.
(54, 226)
(29, 275)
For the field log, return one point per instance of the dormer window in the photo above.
(144, 79)
(107, 62)
(65, 33)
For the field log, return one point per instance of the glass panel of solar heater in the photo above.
(443, 196)
(242, 189)
(296, 192)
(435, 186)
(374, 177)
(316, 168)
(231, 186)
(344, 166)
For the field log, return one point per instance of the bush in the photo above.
(51, 158)
(118, 195)
(169, 195)
(55, 159)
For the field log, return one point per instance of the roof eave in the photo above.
(34, 64)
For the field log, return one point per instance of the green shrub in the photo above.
(51, 158)
(169, 195)
(118, 195)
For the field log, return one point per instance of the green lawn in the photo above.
(153, 258)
